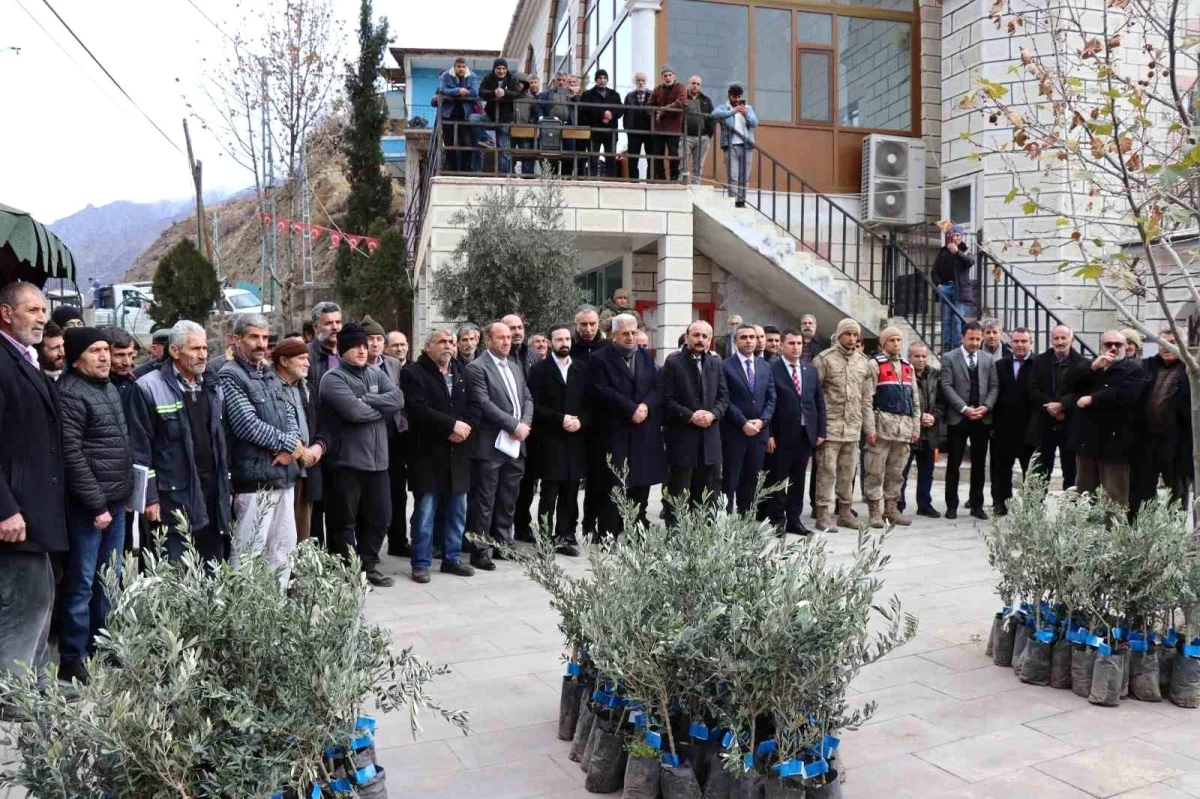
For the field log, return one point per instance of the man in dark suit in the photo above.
(745, 425)
(627, 414)
(524, 359)
(1010, 423)
(726, 345)
(558, 386)
(500, 412)
(435, 390)
(1166, 412)
(1054, 403)
(33, 499)
(695, 397)
(588, 339)
(797, 429)
(969, 388)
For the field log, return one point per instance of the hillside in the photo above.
(107, 240)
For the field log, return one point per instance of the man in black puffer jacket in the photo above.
(99, 469)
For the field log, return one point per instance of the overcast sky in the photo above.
(64, 144)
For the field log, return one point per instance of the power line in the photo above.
(71, 58)
(104, 69)
(208, 19)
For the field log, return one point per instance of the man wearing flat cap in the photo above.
(897, 411)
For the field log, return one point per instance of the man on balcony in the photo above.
(498, 90)
(603, 122)
(557, 107)
(637, 127)
(738, 122)
(698, 131)
(457, 93)
(669, 99)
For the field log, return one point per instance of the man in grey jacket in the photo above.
(500, 411)
(357, 403)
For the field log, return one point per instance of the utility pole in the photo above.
(216, 245)
(195, 168)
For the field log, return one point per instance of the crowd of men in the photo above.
(277, 439)
(671, 125)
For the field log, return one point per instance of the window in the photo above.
(702, 40)
(562, 59)
(814, 28)
(599, 284)
(887, 5)
(814, 87)
(529, 68)
(874, 73)
(772, 97)
(603, 20)
(622, 78)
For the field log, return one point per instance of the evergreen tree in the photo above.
(185, 286)
(370, 189)
(514, 258)
(379, 284)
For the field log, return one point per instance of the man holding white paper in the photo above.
(499, 410)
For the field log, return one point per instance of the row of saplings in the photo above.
(713, 659)
(1106, 606)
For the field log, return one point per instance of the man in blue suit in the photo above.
(745, 425)
(797, 429)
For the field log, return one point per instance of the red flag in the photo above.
(265, 217)
(372, 245)
(354, 241)
(282, 224)
(335, 238)
(314, 232)
(298, 227)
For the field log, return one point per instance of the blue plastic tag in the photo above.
(637, 718)
(1046, 636)
(1139, 646)
(315, 793)
(669, 759)
(829, 745)
(814, 769)
(653, 738)
(788, 768)
(334, 751)
(766, 747)
(365, 774)
(1118, 633)
(597, 695)
(727, 740)
(748, 762)
(1104, 649)
(1026, 607)
(1191, 651)
(340, 786)
(1171, 638)
(276, 795)
(574, 669)
(1095, 641)
(364, 723)
(1030, 623)
(698, 731)
(362, 741)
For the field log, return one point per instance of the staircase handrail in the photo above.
(414, 215)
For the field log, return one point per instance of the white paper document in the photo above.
(508, 445)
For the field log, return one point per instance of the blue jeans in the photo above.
(453, 520)
(924, 459)
(479, 134)
(84, 605)
(526, 164)
(503, 142)
(951, 322)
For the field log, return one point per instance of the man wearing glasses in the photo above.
(1109, 391)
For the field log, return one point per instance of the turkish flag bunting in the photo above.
(298, 227)
(282, 224)
(265, 217)
(372, 245)
(354, 241)
(314, 232)
(335, 238)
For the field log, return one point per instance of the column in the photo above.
(674, 284)
(642, 18)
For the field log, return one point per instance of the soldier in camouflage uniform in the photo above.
(845, 375)
(897, 428)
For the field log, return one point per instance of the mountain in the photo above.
(107, 240)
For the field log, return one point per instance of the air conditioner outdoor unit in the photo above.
(893, 180)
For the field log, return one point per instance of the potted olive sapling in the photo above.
(1184, 686)
(223, 684)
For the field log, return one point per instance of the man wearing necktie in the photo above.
(746, 423)
(1014, 412)
(695, 397)
(500, 412)
(970, 390)
(798, 427)
(33, 498)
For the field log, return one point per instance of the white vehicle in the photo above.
(125, 305)
(243, 301)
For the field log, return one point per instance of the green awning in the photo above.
(30, 252)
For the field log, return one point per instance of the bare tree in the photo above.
(1094, 122)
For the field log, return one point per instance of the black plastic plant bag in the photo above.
(1083, 662)
(374, 788)
(790, 788)
(679, 782)
(1106, 681)
(606, 766)
(598, 727)
(1002, 648)
(746, 786)
(1122, 655)
(1060, 664)
(1185, 681)
(1036, 660)
(1019, 643)
(1166, 665)
(641, 779)
(831, 789)
(568, 707)
(997, 625)
(1143, 675)
(583, 728)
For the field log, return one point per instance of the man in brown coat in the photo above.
(669, 99)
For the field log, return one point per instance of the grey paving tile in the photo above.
(1159, 790)
(993, 754)
(988, 713)
(1018, 783)
(964, 657)
(1094, 725)
(1181, 738)
(521, 743)
(899, 778)
(510, 665)
(419, 759)
(902, 700)
(519, 779)
(1188, 783)
(892, 738)
(983, 681)
(898, 671)
(1116, 768)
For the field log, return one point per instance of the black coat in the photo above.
(785, 423)
(933, 403)
(32, 480)
(436, 465)
(555, 454)
(1178, 414)
(96, 453)
(593, 116)
(1104, 429)
(499, 109)
(616, 394)
(638, 118)
(1042, 389)
(954, 266)
(582, 350)
(683, 393)
(1014, 404)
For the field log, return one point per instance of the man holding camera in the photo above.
(738, 122)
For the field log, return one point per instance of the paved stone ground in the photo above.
(949, 724)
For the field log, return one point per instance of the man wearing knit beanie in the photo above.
(397, 535)
(77, 340)
(357, 403)
(845, 376)
(897, 411)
